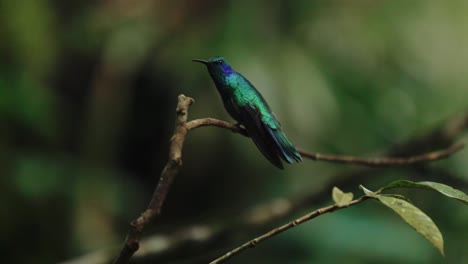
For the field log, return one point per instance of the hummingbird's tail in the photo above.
(269, 138)
(285, 148)
(274, 145)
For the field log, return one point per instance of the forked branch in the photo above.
(174, 163)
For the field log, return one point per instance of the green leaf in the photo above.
(415, 218)
(340, 197)
(433, 186)
(398, 196)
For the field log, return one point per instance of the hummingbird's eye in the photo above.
(219, 62)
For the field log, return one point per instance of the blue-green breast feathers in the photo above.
(248, 107)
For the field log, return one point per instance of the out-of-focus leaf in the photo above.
(415, 218)
(340, 197)
(27, 102)
(434, 186)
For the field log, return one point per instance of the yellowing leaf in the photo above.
(341, 198)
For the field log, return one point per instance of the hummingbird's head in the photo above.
(218, 67)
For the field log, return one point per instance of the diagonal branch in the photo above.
(278, 230)
(132, 242)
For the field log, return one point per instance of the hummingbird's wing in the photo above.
(260, 133)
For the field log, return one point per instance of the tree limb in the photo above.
(132, 242)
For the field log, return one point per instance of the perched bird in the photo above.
(248, 107)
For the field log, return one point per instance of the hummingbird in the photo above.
(247, 106)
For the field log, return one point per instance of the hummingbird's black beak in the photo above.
(201, 61)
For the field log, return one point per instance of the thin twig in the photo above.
(380, 162)
(209, 121)
(371, 162)
(252, 243)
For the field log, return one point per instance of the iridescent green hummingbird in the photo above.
(248, 107)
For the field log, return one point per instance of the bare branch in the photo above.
(278, 230)
(371, 162)
(380, 162)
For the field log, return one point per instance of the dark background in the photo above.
(88, 91)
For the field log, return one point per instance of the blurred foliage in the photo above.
(87, 97)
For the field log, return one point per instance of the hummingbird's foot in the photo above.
(238, 126)
(240, 129)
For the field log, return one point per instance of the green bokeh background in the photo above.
(87, 97)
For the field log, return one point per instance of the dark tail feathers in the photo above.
(286, 149)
